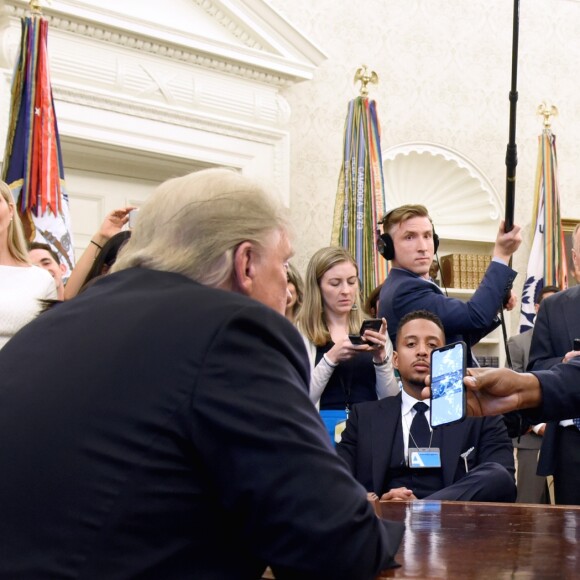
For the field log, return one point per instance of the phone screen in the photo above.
(448, 403)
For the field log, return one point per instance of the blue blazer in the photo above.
(557, 325)
(367, 443)
(404, 292)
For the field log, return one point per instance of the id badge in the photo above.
(338, 429)
(424, 457)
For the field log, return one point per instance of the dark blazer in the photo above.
(519, 347)
(155, 428)
(557, 325)
(367, 443)
(403, 292)
(560, 393)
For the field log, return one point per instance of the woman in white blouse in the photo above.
(22, 285)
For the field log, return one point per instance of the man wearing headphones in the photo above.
(410, 242)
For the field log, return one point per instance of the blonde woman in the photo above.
(295, 293)
(22, 285)
(343, 373)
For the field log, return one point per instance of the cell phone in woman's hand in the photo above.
(369, 324)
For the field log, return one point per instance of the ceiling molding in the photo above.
(268, 48)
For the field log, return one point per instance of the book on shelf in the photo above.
(463, 271)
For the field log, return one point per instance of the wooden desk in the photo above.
(485, 540)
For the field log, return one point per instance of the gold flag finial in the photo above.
(365, 76)
(35, 6)
(547, 113)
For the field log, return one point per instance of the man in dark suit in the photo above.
(159, 425)
(532, 488)
(476, 454)
(410, 243)
(557, 325)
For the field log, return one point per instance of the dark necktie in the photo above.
(420, 434)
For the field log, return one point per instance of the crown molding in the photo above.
(260, 53)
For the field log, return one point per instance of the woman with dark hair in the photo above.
(106, 257)
(112, 225)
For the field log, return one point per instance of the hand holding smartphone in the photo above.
(576, 344)
(369, 324)
(448, 395)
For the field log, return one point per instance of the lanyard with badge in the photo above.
(423, 457)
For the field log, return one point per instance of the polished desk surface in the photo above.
(495, 541)
(485, 540)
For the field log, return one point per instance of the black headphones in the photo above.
(386, 246)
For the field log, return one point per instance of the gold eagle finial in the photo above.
(547, 113)
(365, 76)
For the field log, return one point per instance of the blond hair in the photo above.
(311, 320)
(295, 278)
(17, 246)
(192, 225)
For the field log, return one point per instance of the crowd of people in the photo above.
(180, 375)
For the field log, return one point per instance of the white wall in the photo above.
(444, 68)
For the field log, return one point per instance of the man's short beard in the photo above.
(415, 384)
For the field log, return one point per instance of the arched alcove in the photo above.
(462, 202)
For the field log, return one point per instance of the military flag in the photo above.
(360, 200)
(547, 262)
(33, 166)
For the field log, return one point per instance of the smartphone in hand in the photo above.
(132, 218)
(576, 344)
(448, 395)
(369, 324)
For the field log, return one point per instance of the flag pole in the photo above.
(511, 157)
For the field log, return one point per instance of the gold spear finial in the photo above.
(547, 113)
(365, 76)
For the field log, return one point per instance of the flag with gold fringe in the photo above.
(360, 200)
(547, 263)
(33, 166)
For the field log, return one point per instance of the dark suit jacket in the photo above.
(557, 325)
(156, 428)
(403, 292)
(367, 443)
(519, 347)
(560, 393)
